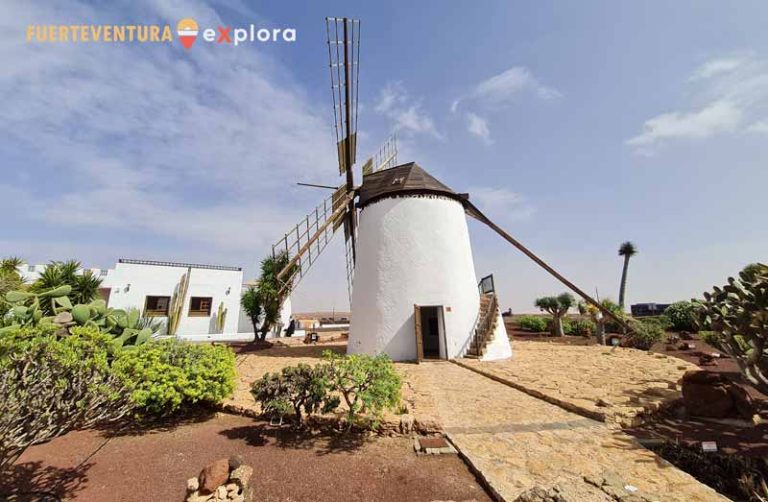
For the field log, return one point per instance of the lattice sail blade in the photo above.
(344, 64)
(306, 241)
(384, 158)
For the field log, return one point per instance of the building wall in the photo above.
(131, 283)
(412, 250)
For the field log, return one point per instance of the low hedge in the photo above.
(165, 376)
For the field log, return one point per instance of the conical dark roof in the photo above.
(405, 179)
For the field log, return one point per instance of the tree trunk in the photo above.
(557, 326)
(600, 331)
(623, 285)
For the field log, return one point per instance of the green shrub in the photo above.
(710, 338)
(535, 324)
(367, 384)
(582, 327)
(169, 374)
(50, 385)
(644, 333)
(295, 389)
(682, 316)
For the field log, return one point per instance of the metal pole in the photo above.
(348, 145)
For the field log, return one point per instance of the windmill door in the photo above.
(429, 332)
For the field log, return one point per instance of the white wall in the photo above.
(412, 250)
(131, 283)
(499, 347)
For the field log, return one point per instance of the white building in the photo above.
(415, 292)
(150, 285)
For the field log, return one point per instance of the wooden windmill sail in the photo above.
(304, 242)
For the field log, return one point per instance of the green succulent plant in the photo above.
(28, 310)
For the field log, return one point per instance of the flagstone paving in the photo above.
(616, 385)
(517, 441)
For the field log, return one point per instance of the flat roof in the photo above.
(180, 265)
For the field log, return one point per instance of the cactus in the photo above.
(176, 309)
(738, 314)
(27, 310)
(221, 318)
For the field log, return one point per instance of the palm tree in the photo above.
(627, 250)
(85, 287)
(10, 264)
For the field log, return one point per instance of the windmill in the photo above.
(407, 247)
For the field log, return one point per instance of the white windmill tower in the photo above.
(415, 293)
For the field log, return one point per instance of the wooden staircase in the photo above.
(488, 318)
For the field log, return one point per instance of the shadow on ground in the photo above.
(138, 427)
(324, 441)
(33, 481)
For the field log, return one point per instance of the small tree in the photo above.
(557, 306)
(366, 383)
(598, 317)
(300, 390)
(251, 303)
(738, 314)
(50, 386)
(272, 290)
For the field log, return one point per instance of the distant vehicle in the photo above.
(648, 309)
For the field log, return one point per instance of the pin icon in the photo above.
(186, 29)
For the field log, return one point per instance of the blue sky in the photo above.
(575, 125)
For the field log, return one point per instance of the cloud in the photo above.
(505, 88)
(760, 127)
(193, 146)
(395, 103)
(716, 67)
(496, 92)
(717, 117)
(728, 96)
(478, 126)
(501, 203)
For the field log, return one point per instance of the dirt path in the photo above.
(154, 466)
(518, 441)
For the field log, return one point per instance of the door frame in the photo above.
(418, 333)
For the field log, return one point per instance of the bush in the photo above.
(293, 390)
(169, 374)
(682, 316)
(644, 333)
(582, 327)
(367, 384)
(533, 323)
(50, 386)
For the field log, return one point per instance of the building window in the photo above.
(155, 306)
(200, 306)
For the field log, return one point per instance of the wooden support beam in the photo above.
(478, 215)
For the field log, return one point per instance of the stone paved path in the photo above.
(618, 386)
(517, 441)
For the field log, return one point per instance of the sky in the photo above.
(574, 125)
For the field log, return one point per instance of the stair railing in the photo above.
(484, 326)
